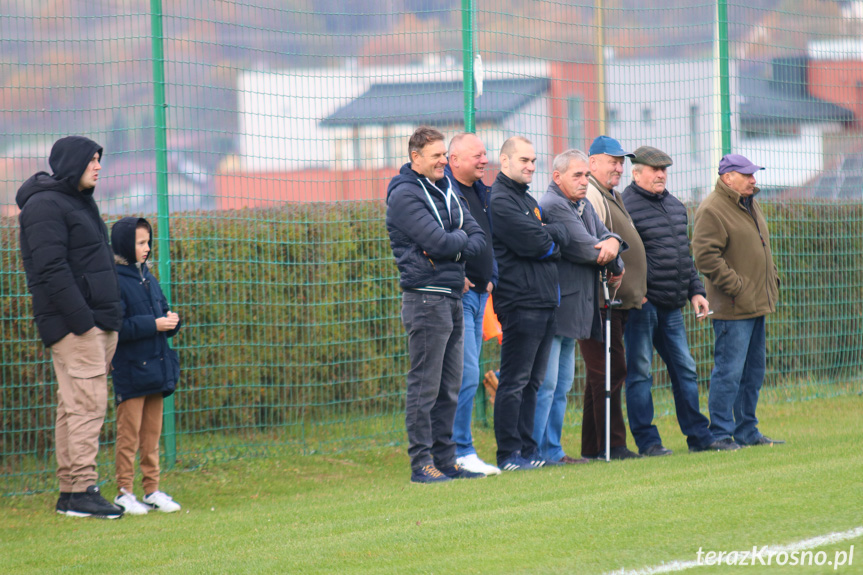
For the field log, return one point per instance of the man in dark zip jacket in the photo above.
(672, 280)
(465, 170)
(525, 301)
(731, 246)
(431, 234)
(76, 304)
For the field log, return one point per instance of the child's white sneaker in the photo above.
(131, 506)
(161, 502)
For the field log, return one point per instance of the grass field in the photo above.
(357, 513)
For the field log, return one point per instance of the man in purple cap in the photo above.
(606, 157)
(732, 249)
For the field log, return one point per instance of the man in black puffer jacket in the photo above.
(431, 234)
(661, 221)
(76, 303)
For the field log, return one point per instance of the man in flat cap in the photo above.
(672, 280)
(731, 246)
(606, 157)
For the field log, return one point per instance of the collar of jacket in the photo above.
(602, 189)
(478, 186)
(649, 195)
(578, 204)
(511, 184)
(733, 195)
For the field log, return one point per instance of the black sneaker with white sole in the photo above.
(63, 503)
(90, 503)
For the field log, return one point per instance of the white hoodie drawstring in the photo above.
(447, 195)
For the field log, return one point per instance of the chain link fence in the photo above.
(259, 137)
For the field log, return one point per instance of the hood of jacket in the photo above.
(123, 240)
(69, 159)
(407, 175)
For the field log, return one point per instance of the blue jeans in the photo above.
(474, 309)
(739, 365)
(648, 328)
(551, 398)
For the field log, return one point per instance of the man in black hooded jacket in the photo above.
(431, 234)
(76, 304)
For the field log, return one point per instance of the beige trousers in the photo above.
(81, 363)
(139, 426)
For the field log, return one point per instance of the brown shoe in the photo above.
(490, 384)
(572, 461)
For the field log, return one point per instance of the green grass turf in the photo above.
(357, 512)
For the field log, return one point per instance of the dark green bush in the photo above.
(292, 332)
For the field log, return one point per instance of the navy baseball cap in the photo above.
(737, 163)
(608, 145)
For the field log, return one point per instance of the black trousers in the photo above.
(527, 335)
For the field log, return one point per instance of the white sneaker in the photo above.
(473, 463)
(161, 502)
(131, 506)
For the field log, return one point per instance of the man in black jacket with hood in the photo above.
(525, 301)
(76, 303)
(431, 234)
(672, 280)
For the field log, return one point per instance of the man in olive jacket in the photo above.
(732, 249)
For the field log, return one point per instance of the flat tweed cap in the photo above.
(653, 157)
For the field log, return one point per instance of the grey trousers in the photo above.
(435, 327)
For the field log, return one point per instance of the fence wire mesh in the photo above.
(259, 138)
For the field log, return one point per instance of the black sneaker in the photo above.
(656, 450)
(726, 444)
(63, 503)
(456, 471)
(764, 440)
(620, 452)
(428, 474)
(90, 503)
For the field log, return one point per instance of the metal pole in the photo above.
(160, 125)
(469, 88)
(600, 64)
(467, 50)
(724, 83)
(604, 277)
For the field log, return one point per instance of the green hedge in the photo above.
(292, 333)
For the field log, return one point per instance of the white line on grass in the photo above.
(804, 545)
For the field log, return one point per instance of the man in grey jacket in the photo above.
(590, 247)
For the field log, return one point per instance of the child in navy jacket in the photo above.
(145, 368)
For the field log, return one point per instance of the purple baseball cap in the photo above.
(737, 163)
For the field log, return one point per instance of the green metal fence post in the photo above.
(160, 125)
(467, 65)
(469, 88)
(724, 83)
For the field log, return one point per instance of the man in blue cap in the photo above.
(731, 246)
(606, 166)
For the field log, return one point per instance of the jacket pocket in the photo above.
(746, 302)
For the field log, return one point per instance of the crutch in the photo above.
(608, 305)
